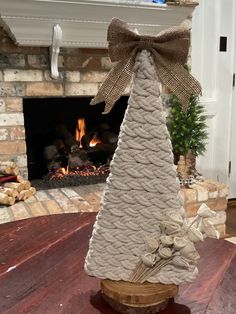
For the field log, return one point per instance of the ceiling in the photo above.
(83, 23)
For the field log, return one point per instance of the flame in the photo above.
(94, 142)
(65, 170)
(84, 171)
(80, 132)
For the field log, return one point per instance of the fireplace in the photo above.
(25, 82)
(83, 64)
(68, 141)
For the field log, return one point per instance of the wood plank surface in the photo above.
(23, 239)
(224, 297)
(216, 257)
(231, 220)
(42, 271)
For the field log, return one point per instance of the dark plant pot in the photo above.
(176, 159)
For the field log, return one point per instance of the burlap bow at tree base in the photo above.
(169, 49)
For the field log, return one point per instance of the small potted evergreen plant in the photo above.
(188, 130)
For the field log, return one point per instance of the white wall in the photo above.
(214, 70)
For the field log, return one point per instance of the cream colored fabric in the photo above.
(141, 188)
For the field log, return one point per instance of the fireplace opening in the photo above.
(68, 141)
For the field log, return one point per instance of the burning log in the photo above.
(67, 155)
(87, 138)
(87, 145)
(81, 175)
(103, 147)
(78, 159)
(108, 137)
(58, 142)
(50, 152)
(53, 157)
(98, 134)
(68, 138)
(101, 153)
(53, 165)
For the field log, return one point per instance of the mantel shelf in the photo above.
(83, 23)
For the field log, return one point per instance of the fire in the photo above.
(94, 142)
(64, 170)
(83, 171)
(80, 132)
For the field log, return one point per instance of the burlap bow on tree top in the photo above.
(169, 49)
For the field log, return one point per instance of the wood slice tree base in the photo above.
(135, 298)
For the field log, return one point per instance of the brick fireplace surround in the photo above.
(25, 73)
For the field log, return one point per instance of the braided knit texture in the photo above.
(141, 188)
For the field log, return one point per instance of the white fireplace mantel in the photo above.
(83, 23)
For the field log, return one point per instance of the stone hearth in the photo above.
(79, 199)
(214, 195)
(88, 198)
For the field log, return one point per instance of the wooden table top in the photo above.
(42, 271)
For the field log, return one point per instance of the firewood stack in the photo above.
(13, 187)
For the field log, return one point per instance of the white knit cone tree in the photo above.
(142, 191)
